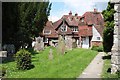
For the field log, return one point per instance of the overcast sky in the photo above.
(63, 7)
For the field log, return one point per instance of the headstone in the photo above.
(39, 44)
(10, 48)
(3, 54)
(68, 42)
(50, 54)
(115, 58)
(61, 45)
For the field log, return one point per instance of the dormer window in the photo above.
(82, 20)
(47, 31)
(63, 28)
(75, 29)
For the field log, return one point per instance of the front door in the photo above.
(85, 42)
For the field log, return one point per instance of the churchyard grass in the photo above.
(69, 65)
(106, 72)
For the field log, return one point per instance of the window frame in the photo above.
(45, 40)
(63, 28)
(47, 30)
(98, 38)
(75, 29)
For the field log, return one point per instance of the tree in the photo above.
(9, 22)
(23, 21)
(108, 15)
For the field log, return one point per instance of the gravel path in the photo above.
(94, 69)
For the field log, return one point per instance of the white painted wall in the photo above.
(85, 42)
(95, 34)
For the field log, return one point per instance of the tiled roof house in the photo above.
(85, 30)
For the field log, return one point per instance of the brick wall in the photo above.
(96, 43)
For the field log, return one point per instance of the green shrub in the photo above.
(2, 71)
(97, 48)
(23, 59)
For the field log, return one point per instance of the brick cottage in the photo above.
(85, 31)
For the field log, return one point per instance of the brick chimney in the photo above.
(76, 14)
(70, 13)
(95, 10)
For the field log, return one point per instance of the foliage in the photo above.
(2, 71)
(9, 22)
(23, 59)
(23, 21)
(97, 48)
(71, 65)
(106, 72)
(108, 15)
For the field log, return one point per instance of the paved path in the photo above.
(94, 69)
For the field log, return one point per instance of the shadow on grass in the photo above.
(31, 50)
(106, 57)
(31, 67)
(8, 59)
(11, 58)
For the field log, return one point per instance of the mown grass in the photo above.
(69, 65)
(106, 72)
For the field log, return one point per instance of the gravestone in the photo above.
(10, 48)
(115, 58)
(39, 45)
(61, 48)
(50, 54)
(68, 42)
(3, 54)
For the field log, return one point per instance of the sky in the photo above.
(63, 7)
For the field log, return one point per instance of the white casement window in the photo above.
(63, 28)
(47, 31)
(45, 40)
(98, 38)
(75, 29)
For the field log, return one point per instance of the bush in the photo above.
(97, 48)
(2, 71)
(23, 59)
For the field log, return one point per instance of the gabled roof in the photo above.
(93, 18)
(69, 31)
(100, 29)
(57, 23)
(85, 30)
(70, 19)
(49, 26)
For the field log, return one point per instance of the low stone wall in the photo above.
(115, 58)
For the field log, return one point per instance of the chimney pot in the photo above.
(95, 10)
(70, 13)
(76, 14)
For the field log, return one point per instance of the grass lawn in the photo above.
(106, 73)
(70, 65)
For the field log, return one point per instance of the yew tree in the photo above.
(23, 20)
(108, 15)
